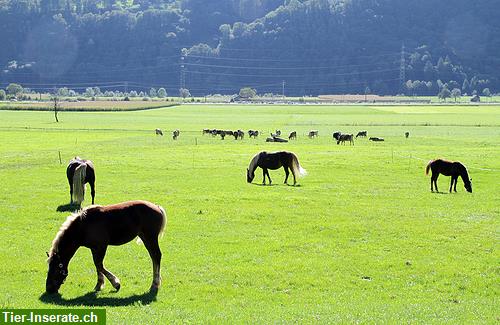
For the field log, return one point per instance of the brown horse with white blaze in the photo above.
(448, 168)
(275, 160)
(96, 227)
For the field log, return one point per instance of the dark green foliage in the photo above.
(315, 46)
(247, 92)
(14, 89)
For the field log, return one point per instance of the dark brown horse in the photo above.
(79, 172)
(96, 227)
(346, 137)
(275, 160)
(448, 168)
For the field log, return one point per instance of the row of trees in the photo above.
(457, 93)
(429, 88)
(14, 90)
(316, 46)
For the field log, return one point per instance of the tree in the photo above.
(63, 92)
(183, 92)
(444, 93)
(14, 89)
(97, 91)
(456, 93)
(487, 92)
(89, 92)
(2, 94)
(56, 107)
(133, 93)
(247, 92)
(465, 86)
(162, 93)
(152, 92)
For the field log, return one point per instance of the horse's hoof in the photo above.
(99, 287)
(117, 286)
(153, 290)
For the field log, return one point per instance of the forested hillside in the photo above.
(218, 46)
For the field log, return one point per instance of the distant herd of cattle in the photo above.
(276, 136)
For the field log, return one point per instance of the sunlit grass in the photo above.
(361, 239)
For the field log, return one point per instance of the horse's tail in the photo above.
(79, 183)
(297, 169)
(163, 221)
(162, 227)
(428, 167)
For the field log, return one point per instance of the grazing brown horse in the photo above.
(275, 160)
(175, 134)
(345, 137)
(158, 132)
(79, 172)
(448, 168)
(253, 133)
(313, 133)
(96, 227)
(293, 135)
(361, 134)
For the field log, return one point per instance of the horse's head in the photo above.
(57, 273)
(250, 176)
(468, 186)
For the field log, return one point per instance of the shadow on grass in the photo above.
(68, 207)
(92, 299)
(272, 184)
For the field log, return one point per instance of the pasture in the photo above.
(362, 239)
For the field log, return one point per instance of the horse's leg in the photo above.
(100, 276)
(70, 181)
(92, 190)
(264, 176)
(436, 183)
(455, 185)
(451, 182)
(151, 243)
(286, 174)
(98, 255)
(267, 172)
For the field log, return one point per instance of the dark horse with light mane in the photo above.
(275, 160)
(96, 227)
(79, 172)
(448, 168)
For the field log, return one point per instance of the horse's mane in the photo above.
(70, 221)
(253, 162)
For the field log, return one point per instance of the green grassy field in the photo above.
(362, 239)
(87, 106)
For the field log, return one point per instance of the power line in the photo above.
(288, 76)
(276, 68)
